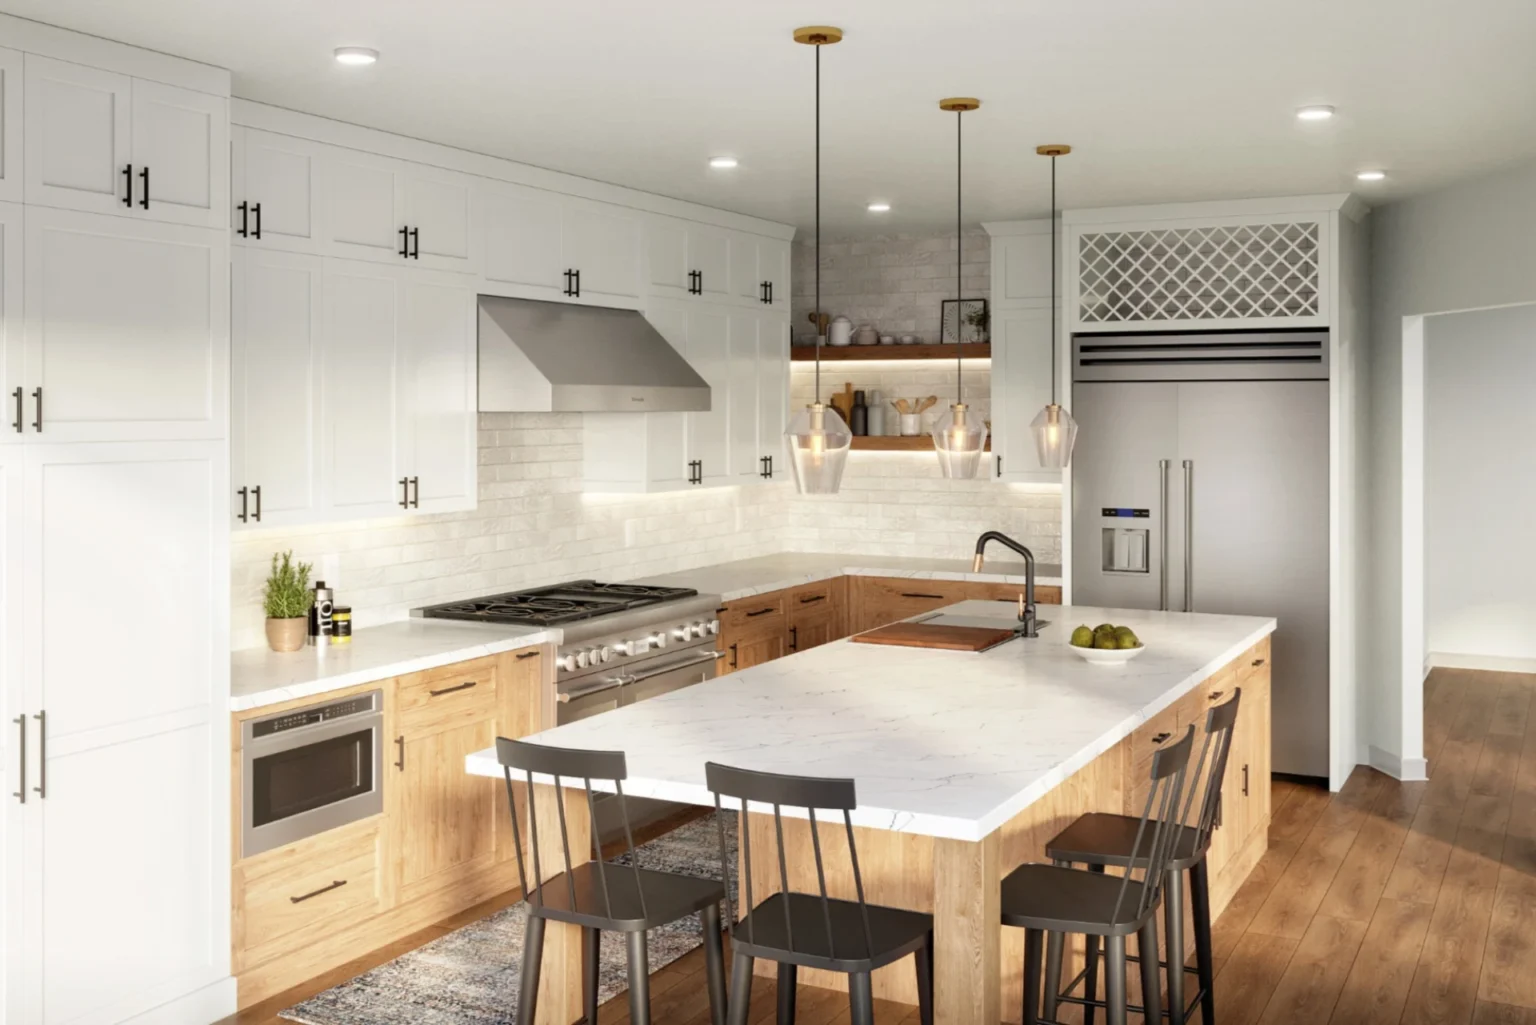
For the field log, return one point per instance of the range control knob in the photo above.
(713, 626)
(682, 633)
(638, 646)
(582, 657)
(567, 663)
(603, 654)
(658, 639)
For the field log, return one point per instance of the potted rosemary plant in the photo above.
(287, 599)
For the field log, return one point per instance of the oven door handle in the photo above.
(565, 697)
(708, 656)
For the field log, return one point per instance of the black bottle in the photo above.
(858, 416)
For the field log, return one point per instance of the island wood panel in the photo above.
(927, 874)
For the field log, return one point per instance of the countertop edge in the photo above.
(815, 577)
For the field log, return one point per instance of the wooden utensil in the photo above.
(903, 406)
(843, 401)
(926, 404)
(821, 322)
(925, 635)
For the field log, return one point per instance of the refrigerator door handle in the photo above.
(1189, 535)
(1162, 472)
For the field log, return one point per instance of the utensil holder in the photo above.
(911, 425)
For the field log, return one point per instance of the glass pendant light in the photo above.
(818, 439)
(1055, 430)
(959, 437)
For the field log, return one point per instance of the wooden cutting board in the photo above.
(927, 635)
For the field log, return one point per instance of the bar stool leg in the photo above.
(639, 980)
(591, 954)
(1200, 904)
(714, 965)
(1151, 987)
(861, 1000)
(1031, 1015)
(1173, 929)
(1091, 980)
(789, 981)
(533, 953)
(741, 989)
(1114, 980)
(925, 982)
(1054, 944)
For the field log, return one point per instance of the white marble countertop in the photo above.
(941, 743)
(749, 577)
(260, 677)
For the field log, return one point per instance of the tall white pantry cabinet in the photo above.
(114, 563)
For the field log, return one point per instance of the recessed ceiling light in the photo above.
(722, 163)
(1370, 176)
(879, 208)
(1315, 112)
(356, 55)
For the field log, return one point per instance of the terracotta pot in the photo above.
(287, 634)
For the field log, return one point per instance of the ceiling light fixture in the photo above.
(958, 438)
(1054, 429)
(818, 439)
(1314, 112)
(722, 163)
(879, 208)
(356, 55)
(1370, 176)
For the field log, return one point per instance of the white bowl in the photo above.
(1107, 656)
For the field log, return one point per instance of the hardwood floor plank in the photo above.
(1315, 975)
(1445, 983)
(1503, 1014)
(1229, 927)
(1249, 977)
(1358, 885)
(1509, 961)
(1421, 863)
(1378, 983)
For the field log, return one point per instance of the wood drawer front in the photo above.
(813, 600)
(883, 600)
(1045, 594)
(290, 896)
(463, 692)
(1254, 660)
(1145, 741)
(750, 614)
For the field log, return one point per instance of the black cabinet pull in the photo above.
(770, 292)
(794, 638)
(577, 272)
(405, 492)
(813, 598)
(19, 415)
(1258, 662)
(415, 492)
(256, 211)
(567, 282)
(527, 654)
(245, 216)
(21, 747)
(400, 747)
(415, 243)
(760, 612)
(1216, 695)
(999, 465)
(128, 186)
(934, 597)
(338, 884)
(405, 242)
(245, 504)
(1161, 738)
(256, 494)
(144, 199)
(1245, 781)
(37, 396)
(733, 656)
(770, 467)
(42, 755)
(466, 685)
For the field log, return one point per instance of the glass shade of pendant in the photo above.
(818, 449)
(1055, 434)
(960, 440)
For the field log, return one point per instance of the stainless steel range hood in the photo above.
(542, 357)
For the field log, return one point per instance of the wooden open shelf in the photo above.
(921, 443)
(838, 353)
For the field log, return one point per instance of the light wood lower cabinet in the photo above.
(876, 601)
(443, 843)
(753, 631)
(817, 614)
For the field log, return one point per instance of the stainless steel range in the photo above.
(623, 642)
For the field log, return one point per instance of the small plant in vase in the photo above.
(978, 320)
(287, 599)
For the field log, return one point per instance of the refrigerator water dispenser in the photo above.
(1125, 549)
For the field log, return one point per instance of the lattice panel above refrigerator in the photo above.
(1233, 272)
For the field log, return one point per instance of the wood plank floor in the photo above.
(1385, 904)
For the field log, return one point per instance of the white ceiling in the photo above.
(1163, 100)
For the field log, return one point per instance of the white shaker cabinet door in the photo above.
(1021, 388)
(276, 200)
(10, 127)
(667, 433)
(138, 528)
(363, 217)
(746, 282)
(77, 137)
(180, 155)
(12, 705)
(602, 244)
(773, 392)
(745, 464)
(360, 328)
(709, 332)
(1023, 272)
(522, 241)
(709, 253)
(438, 436)
(773, 268)
(14, 400)
(127, 330)
(436, 207)
(275, 349)
(667, 269)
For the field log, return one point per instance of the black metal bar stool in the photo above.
(1055, 900)
(813, 930)
(1103, 840)
(601, 897)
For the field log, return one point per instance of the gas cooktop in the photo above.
(556, 604)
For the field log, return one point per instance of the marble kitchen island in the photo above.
(966, 764)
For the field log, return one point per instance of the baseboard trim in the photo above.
(215, 1002)
(1407, 770)
(1489, 663)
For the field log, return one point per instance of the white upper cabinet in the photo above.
(602, 245)
(744, 460)
(542, 245)
(746, 282)
(436, 206)
(686, 258)
(10, 130)
(438, 430)
(274, 354)
(1021, 388)
(364, 219)
(102, 142)
(773, 391)
(773, 268)
(1022, 267)
(360, 323)
(709, 255)
(127, 328)
(13, 387)
(709, 353)
(276, 195)
(668, 272)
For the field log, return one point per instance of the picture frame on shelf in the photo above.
(964, 320)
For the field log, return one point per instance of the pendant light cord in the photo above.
(1054, 258)
(816, 314)
(959, 264)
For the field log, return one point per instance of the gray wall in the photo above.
(1468, 245)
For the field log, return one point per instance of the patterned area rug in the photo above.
(470, 977)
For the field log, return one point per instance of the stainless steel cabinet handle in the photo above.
(338, 884)
(19, 414)
(466, 685)
(1162, 555)
(1189, 535)
(21, 772)
(565, 697)
(42, 754)
(400, 747)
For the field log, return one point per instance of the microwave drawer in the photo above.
(296, 894)
(462, 692)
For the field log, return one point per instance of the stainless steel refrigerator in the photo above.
(1200, 484)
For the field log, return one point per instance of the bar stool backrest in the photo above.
(1220, 723)
(561, 763)
(779, 791)
(1168, 771)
